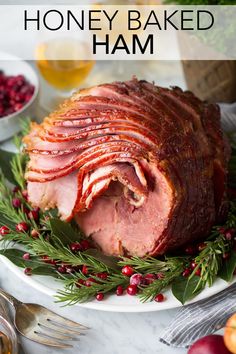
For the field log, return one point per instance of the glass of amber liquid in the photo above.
(64, 75)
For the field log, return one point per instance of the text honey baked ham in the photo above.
(141, 168)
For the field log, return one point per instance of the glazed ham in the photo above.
(141, 168)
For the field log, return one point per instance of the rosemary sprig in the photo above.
(210, 260)
(75, 292)
(153, 265)
(149, 292)
(63, 254)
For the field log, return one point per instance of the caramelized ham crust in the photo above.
(141, 168)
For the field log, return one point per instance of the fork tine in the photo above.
(52, 316)
(42, 339)
(53, 334)
(53, 326)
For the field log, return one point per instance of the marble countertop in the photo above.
(111, 333)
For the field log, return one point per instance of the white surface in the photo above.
(113, 303)
(10, 124)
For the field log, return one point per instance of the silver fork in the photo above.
(43, 326)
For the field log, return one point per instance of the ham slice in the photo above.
(141, 168)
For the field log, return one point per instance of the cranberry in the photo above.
(160, 276)
(85, 244)
(26, 256)
(22, 227)
(229, 234)
(69, 269)
(100, 296)
(221, 230)
(28, 271)
(16, 189)
(25, 194)
(127, 270)
(48, 260)
(89, 282)
(226, 255)
(119, 290)
(16, 203)
(79, 283)
(193, 265)
(136, 279)
(198, 272)
(75, 247)
(149, 278)
(61, 269)
(84, 270)
(186, 272)
(34, 233)
(17, 106)
(132, 290)
(4, 230)
(159, 298)
(102, 276)
(190, 250)
(33, 214)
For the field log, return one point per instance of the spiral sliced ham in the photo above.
(141, 168)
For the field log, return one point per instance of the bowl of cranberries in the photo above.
(18, 93)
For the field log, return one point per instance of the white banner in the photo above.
(118, 32)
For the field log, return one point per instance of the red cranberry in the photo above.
(136, 279)
(17, 106)
(89, 281)
(25, 194)
(61, 269)
(186, 272)
(229, 234)
(75, 247)
(149, 278)
(85, 244)
(34, 233)
(28, 271)
(4, 230)
(193, 265)
(100, 296)
(159, 298)
(190, 250)
(226, 255)
(198, 272)
(127, 270)
(48, 260)
(160, 276)
(132, 290)
(34, 214)
(26, 256)
(79, 283)
(16, 203)
(22, 227)
(102, 276)
(119, 290)
(84, 270)
(69, 269)
(16, 189)
(221, 230)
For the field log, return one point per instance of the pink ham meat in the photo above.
(141, 168)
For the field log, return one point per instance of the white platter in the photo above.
(113, 303)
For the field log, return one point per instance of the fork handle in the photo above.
(11, 299)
